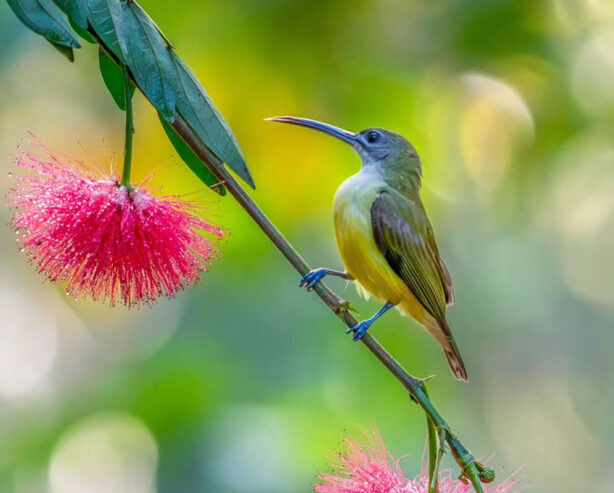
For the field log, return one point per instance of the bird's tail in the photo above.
(455, 361)
(443, 334)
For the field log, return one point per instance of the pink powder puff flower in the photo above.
(372, 469)
(104, 240)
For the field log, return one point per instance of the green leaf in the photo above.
(106, 19)
(113, 79)
(45, 18)
(76, 10)
(189, 158)
(65, 50)
(84, 33)
(195, 105)
(149, 59)
(103, 16)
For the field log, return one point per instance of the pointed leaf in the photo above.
(76, 10)
(84, 33)
(195, 105)
(45, 18)
(105, 18)
(148, 57)
(113, 79)
(66, 51)
(189, 158)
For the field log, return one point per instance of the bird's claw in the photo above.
(359, 330)
(312, 278)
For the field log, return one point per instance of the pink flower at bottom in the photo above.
(372, 469)
(104, 240)
(364, 469)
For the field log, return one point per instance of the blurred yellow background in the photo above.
(245, 383)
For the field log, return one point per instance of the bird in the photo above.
(384, 236)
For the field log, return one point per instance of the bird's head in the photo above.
(386, 151)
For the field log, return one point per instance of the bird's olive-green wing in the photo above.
(447, 282)
(429, 236)
(404, 235)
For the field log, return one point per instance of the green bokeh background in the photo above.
(246, 383)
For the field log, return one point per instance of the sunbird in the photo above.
(384, 236)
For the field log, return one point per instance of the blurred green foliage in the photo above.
(245, 383)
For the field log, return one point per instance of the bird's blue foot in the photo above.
(360, 329)
(312, 278)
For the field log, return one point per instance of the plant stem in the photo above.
(436, 444)
(413, 385)
(129, 127)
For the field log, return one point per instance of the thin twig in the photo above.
(436, 441)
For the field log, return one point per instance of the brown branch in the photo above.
(471, 469)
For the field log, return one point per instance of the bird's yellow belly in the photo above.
(359, 252)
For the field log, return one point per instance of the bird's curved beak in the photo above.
(339, 133)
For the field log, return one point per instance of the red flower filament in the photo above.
(372, 469)
(104, 240)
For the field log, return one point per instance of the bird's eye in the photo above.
(373, 137)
